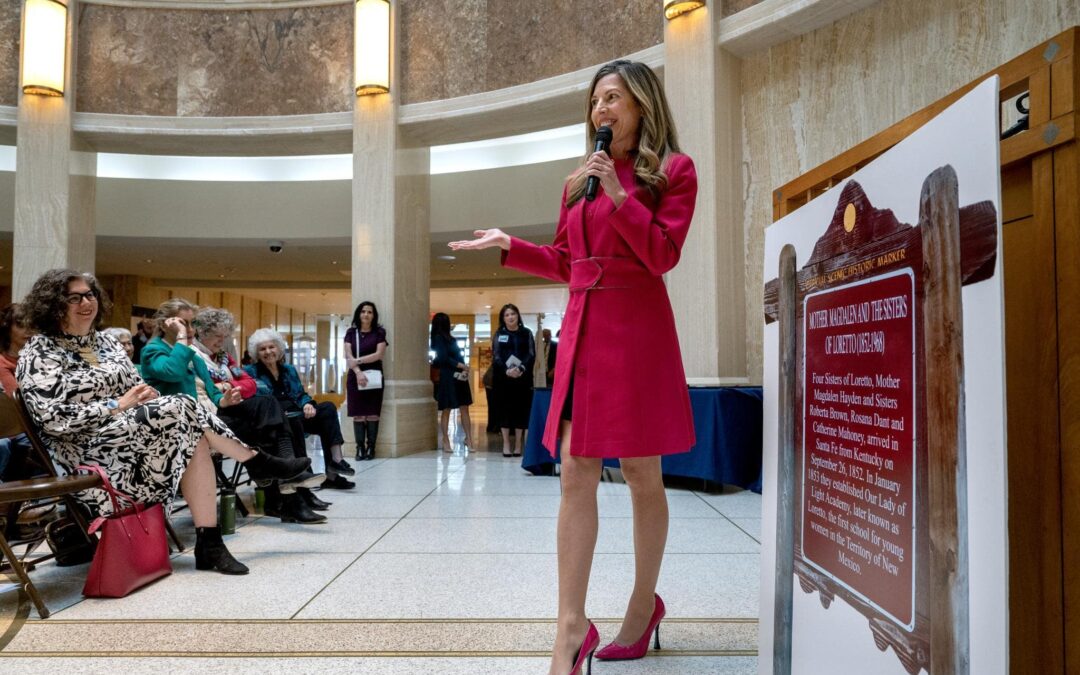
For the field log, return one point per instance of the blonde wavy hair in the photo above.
(656, 135)
(168, 309)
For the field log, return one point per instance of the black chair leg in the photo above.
(172, 535)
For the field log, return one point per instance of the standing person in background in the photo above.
(452, 390)
(551, 350)
(613, 251)
(365, 345)
(143, 335)
(514, 354)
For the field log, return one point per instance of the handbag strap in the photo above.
(114, 496)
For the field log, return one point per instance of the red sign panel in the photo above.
(858, 473)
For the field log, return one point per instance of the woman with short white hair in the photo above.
(304, 415)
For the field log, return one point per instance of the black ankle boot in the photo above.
(360, 432)
(264, 467)
(272, 506)
(372, 436)
(211, 554)
(311, 500)
(295, 510)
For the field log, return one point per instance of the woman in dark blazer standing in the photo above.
(513, 385)
(452, 391)
(627, 398)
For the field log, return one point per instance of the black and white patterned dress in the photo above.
(144, 450)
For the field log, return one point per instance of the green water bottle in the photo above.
(260, 500)
(227, 513)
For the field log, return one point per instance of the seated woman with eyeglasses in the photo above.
(257, 417)
(304, 414)
(93, 408)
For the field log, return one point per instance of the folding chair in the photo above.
(13, 493)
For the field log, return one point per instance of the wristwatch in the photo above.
(112, 405)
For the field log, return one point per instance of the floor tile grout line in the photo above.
(357, 559)
(726, 517)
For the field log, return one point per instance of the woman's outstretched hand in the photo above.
(484, 239)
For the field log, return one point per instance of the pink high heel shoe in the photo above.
(617, 652)
(585, 654)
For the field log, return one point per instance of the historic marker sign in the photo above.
(858, 468)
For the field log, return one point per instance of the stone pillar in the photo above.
(390, 261)
(707, 289)
(54, 182)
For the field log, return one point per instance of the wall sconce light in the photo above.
(44, 47)
(673, 8)
(371, 47)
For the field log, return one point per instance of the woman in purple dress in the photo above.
(365, 345)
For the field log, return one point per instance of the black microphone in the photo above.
(602, 144)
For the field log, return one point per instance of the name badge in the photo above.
(504, 338)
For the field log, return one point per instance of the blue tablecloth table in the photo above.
(727, 423)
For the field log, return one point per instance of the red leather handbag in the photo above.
(133, 550)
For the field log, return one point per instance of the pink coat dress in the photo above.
(618, 343)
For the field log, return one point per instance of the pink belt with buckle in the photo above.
(599, 273)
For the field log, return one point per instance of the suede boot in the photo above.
(264, 467)
(211, 554)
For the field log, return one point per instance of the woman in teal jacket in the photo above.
(172, 366)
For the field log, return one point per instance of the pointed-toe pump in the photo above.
(617, 652)
(585, 654)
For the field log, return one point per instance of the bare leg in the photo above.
(444, 430)
(647, 494)
(519, 441)
(199, 486)
(506, 442)
(232, 449)
(466, 424)
(578, 523)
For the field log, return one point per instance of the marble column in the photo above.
(55, 182)
(707, 288)
(391, 261)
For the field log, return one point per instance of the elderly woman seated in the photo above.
(305, 415)
(257, 416)
(173, 366)
(93, 408)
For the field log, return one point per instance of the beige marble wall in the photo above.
(10, 13)
(809, 99)
(730, 7)
(295, 61)
(215, 63)
(457, 47)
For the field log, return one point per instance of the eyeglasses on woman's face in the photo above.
(77, 298)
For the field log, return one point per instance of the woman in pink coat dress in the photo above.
(620, 389)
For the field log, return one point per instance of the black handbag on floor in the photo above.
(69, 543)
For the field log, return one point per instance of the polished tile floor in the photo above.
(442, 562)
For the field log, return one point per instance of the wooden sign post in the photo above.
(871, 475)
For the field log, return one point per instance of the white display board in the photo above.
(838, 639)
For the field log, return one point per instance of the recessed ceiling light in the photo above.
(149, 260)
(333, 262)
(448, 257)
(487, 306)
(221, 276)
